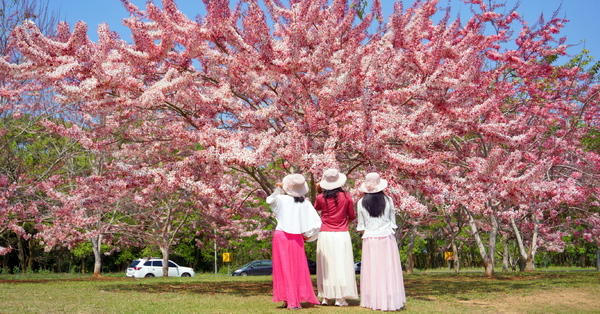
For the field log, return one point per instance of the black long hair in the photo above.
(332, 194)
(298, 199)
(374, 203)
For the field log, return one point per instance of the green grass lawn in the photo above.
(556, 291)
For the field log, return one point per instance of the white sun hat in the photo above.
(373, 183)
(332, 179)
(295, 185)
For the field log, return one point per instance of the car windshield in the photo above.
(134, 263)
(249, 264)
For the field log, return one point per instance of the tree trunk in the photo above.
(198, 256)
(530, 263)
(29, 257)
(5, 263)
(487, 256)
(456, 257)
(21, 255)
(505, 254)
(313, 191)
(96, 247)
(492, 247)
(527, 256)
(165, 256)
(410, 257)
(598, 257)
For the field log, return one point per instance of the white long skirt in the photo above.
(335, 266)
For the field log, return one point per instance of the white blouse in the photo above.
(292, 217)
(375, 227)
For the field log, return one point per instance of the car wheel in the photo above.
(149, 275)
(244, 274)
(185, 275)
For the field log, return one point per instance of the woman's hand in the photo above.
(279, 185)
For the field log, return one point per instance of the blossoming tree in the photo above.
(468, 118)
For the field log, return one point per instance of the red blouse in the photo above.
(335, 217)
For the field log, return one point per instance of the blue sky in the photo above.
(584, 16)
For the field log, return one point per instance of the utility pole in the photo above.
(215, 250)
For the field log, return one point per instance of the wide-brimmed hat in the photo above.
(295, 185)
(373, 183)
(332, 179)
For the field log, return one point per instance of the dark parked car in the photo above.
(265, 267)
(357, 268)
(312, 267)
(255, 268)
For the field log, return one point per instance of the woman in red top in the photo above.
(335, 260)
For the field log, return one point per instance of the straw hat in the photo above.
(373, 183)
(295, 185)
(332, 179)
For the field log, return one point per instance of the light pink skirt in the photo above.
(291, 278)
(381, 281)
(336, 278)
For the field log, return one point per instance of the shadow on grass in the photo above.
(424, 287)
(464, 286)
(224, 287)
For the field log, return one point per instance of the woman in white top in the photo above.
(297, 221)
(381, 280)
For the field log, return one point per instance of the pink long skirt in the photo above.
(381, 280)
(291, 277)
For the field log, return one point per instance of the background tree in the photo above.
(18, 133)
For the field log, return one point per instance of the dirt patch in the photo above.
(572, 300)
